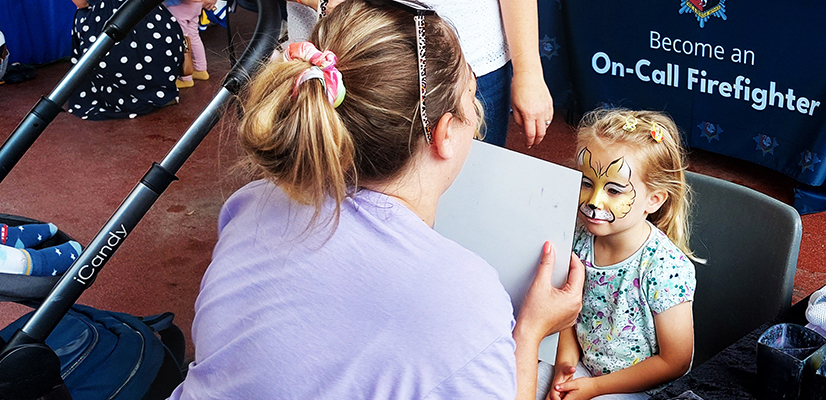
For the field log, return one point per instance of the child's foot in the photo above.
(200, 75)
(51, 261)
(54, 260)
(26, 235)
(182, 84)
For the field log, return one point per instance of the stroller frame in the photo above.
(28, 368)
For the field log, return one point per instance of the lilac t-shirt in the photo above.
(383, 308)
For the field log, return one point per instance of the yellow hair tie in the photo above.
(630, 124)
(656, 132)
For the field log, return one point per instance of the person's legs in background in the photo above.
(187, 13)
(198, 52)
(494, 91)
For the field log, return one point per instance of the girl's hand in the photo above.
(577, 389)
(562, 374)
(208, 4)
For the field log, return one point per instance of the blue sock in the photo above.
(53, 260)
(25, 236)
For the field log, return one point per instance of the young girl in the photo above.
(635, 330)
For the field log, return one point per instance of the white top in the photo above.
(478, 24)
(481, 34)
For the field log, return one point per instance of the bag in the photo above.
(111, 355)
(188, 66)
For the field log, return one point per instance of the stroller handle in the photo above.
(80, 275)
(128, 15)
(29, 339)
(263, 41)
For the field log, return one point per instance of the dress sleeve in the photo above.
(671, 279)
(490, 375)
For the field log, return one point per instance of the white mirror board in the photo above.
(503, 206)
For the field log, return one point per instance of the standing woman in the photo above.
(500, 39)
(328, 281)
(137, 75)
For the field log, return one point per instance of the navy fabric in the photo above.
(665, 55)
(138, 74)
(103, 354)
(809, 199)
(37, 31)
(494, 91)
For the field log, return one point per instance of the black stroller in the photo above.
(29, 368)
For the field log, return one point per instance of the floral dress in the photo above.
(615, 328)
(137, 75)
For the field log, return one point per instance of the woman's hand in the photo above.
(546, 309)
(533, 106)
(81, 3)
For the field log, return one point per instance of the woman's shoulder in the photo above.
(260, 194)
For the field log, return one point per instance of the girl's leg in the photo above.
(187, 14)
(198, 51)
(544, 377)
(194, 32)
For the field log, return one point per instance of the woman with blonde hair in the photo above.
(328, 280)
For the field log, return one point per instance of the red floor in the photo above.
(78, 172)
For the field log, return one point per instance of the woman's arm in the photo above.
(675, 335)
(80, 3)
(530, 98)
(545, 310)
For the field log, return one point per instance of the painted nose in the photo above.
(596, 200)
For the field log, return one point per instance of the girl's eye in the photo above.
(586, 184)
(614, 189)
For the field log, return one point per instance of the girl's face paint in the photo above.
(607, 193)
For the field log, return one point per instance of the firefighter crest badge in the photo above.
(704, 9)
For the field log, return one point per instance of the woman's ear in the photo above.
(441, 141)
(656, 199)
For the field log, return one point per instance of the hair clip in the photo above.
(630, 124)
(656, 132)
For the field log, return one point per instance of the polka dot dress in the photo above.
(137, 75)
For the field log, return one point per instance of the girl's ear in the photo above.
(441, 141)
(656, 199)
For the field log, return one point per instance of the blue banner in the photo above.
(37, 31)
(743, 79)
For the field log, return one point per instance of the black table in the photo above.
(732, 373)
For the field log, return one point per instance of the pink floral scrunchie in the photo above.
(324, 69)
